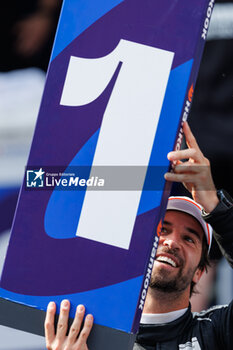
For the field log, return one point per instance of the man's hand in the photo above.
(75, 340)
(194, 172)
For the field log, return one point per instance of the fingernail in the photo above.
(80, 308)
(51, 305)
(89, 318)
(65, 304)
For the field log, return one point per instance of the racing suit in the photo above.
(208, 330)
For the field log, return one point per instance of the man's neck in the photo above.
(161, 302)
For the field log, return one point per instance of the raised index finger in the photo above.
(189, 137)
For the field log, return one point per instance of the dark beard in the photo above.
(163, 282)
(177, 284)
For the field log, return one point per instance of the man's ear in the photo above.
(197, 275)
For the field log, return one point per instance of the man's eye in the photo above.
(164, 230)
(189, 239)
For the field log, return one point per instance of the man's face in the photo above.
(178, 254)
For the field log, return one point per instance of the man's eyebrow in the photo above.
(167, 223)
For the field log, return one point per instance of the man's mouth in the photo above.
(166, 260)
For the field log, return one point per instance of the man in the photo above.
(167, 322)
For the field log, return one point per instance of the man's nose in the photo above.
(171, 242)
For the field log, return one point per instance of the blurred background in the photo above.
(27, 32)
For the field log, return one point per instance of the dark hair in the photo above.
(203, 264)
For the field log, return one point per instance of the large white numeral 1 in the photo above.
(127, 131)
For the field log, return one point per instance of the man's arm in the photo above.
(59, 340)
(221, 219)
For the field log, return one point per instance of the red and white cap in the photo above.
(189, 206)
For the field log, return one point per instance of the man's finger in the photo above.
(188, 153)
(188, 167)
(49, 323)
(189, 137)
(76, 325)
(82, 339)
(186, 178)
(62, 324)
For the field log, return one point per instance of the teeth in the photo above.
(167, 260)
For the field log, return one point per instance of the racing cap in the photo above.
(189, 206)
